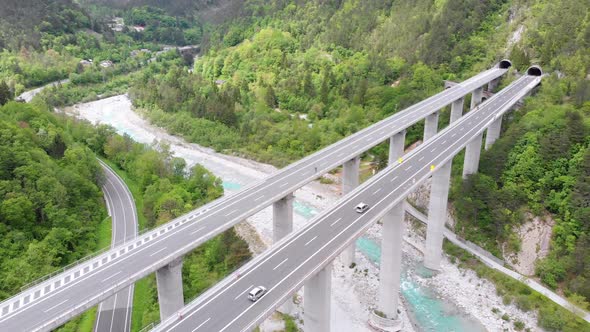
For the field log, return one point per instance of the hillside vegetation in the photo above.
(287, 78)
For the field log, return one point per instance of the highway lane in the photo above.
(285, 267)
(114, 313)
(57, 300)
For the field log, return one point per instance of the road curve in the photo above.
(114, 313)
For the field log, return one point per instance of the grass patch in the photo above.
(105, 233)
(87, 320)
(145, 306)
(552, 317)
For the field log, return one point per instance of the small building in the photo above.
(138, 28)
(86, 63)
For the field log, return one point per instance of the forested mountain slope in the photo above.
(50, 201)
(289, 77)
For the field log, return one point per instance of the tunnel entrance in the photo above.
(505, 64)
(534, 71)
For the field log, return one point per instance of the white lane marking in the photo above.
(281, 263)
(244, 292)
(200, 229)
(341, 154)
(376, 191)
(434, 149)
(203, 323)
(308, 242)
(114, 307)
(55, 306)
(231, 212)
(154, 253)
(98, 315)
(394, 178)
(444, 142)
(284, 184)
(128, 311)
(112, 275)
(259, 198)
(454, 134)
(335, 222)
(421, 158)
(408, 168)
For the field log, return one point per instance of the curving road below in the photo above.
(114, 314)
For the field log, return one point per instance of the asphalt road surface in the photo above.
(114, 313)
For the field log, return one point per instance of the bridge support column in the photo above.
(476, 97)
(282, 217)
(437, 215)
(169, 280)
(316, 301)
(397, 143)
(472, 153)
(493, 132)
(430, 126)
(457, 109)
(350, 180)
(282, 220)
(391, 259)
(493, 84)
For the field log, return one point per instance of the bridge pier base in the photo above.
(170, 296)
(472, 154)
(317, 293)
(476, 97)
(430, 125)
(457, 109)
(282, 219)
(437, 215)
(350, 180)
(493, 132)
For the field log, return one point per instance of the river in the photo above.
(427, 311)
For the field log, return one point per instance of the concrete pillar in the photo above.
(397, 144)
(169, 280)
(391, 260)
(350, 180)
(282, 217)
(493, 84)
(437, 215)
(472, 153)
(316, 301)
(430, 126)
(476, 97)
(457, 109)
(493, 132)
(282, 220)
